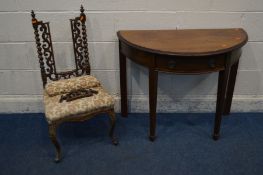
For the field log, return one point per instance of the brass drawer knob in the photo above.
(172, 64)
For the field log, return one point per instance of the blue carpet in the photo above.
(183, 146)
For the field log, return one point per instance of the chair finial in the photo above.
(82, 14)
(81, 9)
(33, 14)
(34, 20)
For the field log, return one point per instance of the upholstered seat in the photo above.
(65, 86)
(55, 111)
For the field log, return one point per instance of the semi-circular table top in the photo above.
(187, 42)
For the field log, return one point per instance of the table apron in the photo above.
(180, 64)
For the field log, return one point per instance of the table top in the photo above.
(187, 42)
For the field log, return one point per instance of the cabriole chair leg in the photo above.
(113, 121)
(52, 128)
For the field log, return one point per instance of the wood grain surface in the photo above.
(188, 42)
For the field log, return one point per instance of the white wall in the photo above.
(20, 84)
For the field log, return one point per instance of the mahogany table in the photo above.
(191, 51)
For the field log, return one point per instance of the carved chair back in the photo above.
(46, 54)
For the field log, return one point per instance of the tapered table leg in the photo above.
(153, 81)
(123, 84)
(219, 87)
(221, 92)
(230, 89)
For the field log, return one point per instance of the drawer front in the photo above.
(190, 64)
(138, 56)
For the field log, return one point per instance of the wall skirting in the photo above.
(139, 104)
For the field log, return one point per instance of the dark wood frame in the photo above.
(224, 61)
(49, 72)
(45, 49)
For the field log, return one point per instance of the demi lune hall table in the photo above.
(190, 51)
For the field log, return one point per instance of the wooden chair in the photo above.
(73, 95)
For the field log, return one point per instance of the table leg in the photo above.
(219, 87)
(230, 89)
(221, 92)
(123, 84)
(153, 81)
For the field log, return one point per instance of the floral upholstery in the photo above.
(64, 86)
(55, 110)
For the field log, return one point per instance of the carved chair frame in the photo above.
(49, 72)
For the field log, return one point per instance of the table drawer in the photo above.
(138, 56)
(190, 64)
